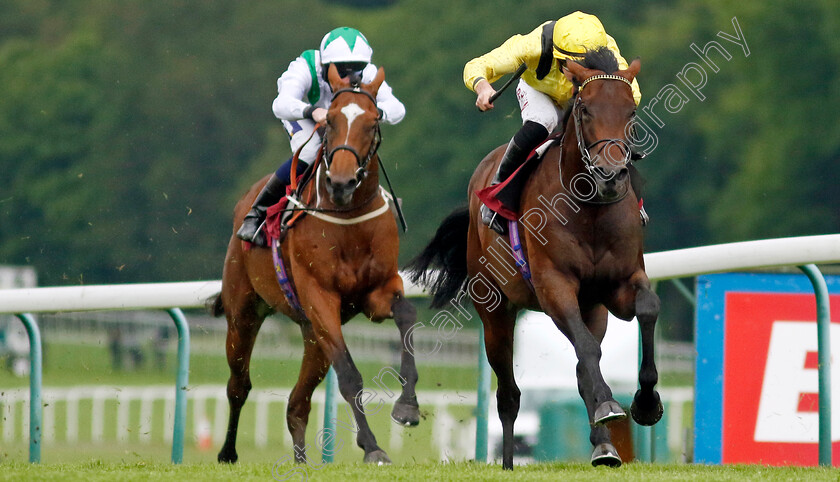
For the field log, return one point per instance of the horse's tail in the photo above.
(442, 266)
(215, 306)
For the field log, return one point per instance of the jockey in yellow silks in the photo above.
(543, 90)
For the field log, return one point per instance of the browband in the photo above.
(605, 77)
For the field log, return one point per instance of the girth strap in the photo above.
(283, 278)
(518, 255)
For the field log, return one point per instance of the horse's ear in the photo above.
(376, 83)
(632, 71)
(569, 75)
(336, 82)
(577, 73)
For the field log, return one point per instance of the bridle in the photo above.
(361, 172)
(582, 146)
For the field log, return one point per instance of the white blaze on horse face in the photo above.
(351, 111)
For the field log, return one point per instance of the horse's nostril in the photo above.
(341, 188)
(602, 173)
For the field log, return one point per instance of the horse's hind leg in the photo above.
(647, 406)
(498, 342)
(313, 369)
(241, 335)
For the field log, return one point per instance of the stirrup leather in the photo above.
(644, 216)
(493, 220)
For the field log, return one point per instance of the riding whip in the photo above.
(521, 70)
(400, 214)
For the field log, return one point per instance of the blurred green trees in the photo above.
(129, 129)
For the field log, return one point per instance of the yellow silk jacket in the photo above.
(506, 58)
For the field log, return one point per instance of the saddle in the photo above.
(280, 217)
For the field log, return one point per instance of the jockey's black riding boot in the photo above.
(529, 136)
(252, 226)
(511, 160)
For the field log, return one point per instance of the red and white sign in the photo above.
(770, 382)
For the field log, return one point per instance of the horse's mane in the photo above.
(602, 59)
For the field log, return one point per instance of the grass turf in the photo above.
(95, 470)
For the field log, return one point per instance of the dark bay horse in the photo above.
(343, 262)
(583, 239)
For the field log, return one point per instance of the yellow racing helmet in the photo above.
(576, 33)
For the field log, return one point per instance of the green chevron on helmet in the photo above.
(345, 44)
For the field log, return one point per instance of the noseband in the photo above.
(582, 146)
(361, 172)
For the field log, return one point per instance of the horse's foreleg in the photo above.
(604, 452)
(391, 301)
(647, 406)
(406, 410)
(498, 343)
(241, 334)
(350, 385)
(561, 304)
(313, 369)
(322, 309)
(635, 298)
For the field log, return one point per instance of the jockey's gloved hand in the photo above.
(317, 114)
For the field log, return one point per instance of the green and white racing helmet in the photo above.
(345, 44)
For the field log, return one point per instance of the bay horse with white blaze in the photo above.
(342, 263)
(585, 251)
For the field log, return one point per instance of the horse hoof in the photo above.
(406, 414)
(378, 457)
(646, 410)
(605, 454)
(227, 457)
(607, 412)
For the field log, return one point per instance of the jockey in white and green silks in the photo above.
(303, 97)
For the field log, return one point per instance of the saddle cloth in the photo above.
(503, 198)
(274, 216)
